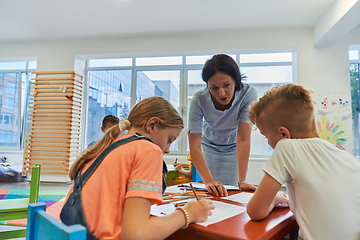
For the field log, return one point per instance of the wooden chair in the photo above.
(11, 209)
(40, 225)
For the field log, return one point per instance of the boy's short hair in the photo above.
(288, 105)
(109, 119)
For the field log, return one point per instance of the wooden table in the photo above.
(276, 226)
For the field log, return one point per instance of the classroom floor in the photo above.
(43, 186)
(47, 186)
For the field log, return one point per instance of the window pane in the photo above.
(353, 55)
(165, 84)
(266, 57)
(109, 93)
(9, 109)
(157, 61)
(114, 62)
(268, 74)
(195, 83)
(259, 145)
(355, 105)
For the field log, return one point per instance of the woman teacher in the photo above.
(219, 129)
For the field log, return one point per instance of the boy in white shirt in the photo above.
(323, 182)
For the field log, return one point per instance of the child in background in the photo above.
(322, 181)
(108, 122)
(180, 167)
(112, 194)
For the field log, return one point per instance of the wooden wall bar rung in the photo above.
(42, 114)
(47, 145)
(55, 78)
(53, 172)
(55, 167)
(38, 98)
(53, 159)
(50, 163)
(39, 94)
(36, 118)
(58, 125)
(39, 103)
(52, 110)
(51, 142)
(57, 84)
(38, 91)
(51, 107)
(53, 82)
(55, 118)
(49, 154)
(51, 132)
(59, 72)
(53, 87)
(54, 137)
(46, 150)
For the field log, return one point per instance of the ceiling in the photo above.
(36, 20)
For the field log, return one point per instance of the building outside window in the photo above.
(354, 57)
(14, 98)
(115, 85)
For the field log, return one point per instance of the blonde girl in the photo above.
(112, 199)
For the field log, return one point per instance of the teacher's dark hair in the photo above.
(225, 64)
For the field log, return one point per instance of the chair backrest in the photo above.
(35, 184)
(40, 225)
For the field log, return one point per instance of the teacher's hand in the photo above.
(247, 186)
(216, 188)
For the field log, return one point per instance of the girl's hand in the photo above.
(216, 188)
(178, 167)
(247, 186)
(281, 198)
(199, 211)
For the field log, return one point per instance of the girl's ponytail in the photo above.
(93, 151)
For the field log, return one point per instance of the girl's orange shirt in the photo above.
(131, 170)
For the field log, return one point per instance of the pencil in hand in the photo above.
(193, 189)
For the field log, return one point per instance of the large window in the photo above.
(176, 78)
(109, 93)
(14, 98)
(354, 56)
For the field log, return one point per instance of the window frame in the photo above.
(22, 119)
(184, 68)
(357, 61)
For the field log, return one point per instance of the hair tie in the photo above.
(124, 124)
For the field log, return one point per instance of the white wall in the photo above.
(324, 71)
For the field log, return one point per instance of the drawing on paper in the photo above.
(332, 133)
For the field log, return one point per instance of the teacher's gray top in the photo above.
(220, 127)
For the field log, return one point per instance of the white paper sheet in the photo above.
(243, 197)
(221, 212)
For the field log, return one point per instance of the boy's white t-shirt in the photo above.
(323, 183)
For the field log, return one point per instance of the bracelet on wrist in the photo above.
(241, 182)
(186, 215)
